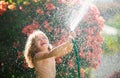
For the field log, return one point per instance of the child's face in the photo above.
(42, 42)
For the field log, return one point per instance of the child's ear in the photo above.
(50, 47)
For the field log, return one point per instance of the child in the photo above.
(40, 55)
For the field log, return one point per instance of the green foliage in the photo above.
(114, 21)
(111, 44)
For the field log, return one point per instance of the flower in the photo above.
(40, 11)
(19, 54)
(25, 65)
(94, 10)
(21, 8)
(56, 31)
(47, 26)
(82, 73)
(3, 7)
(48, 13)
(50, 6)
(71, 64)
(58, 60)
(12, 7)
(62, 1)
(46, 22)
(94, 64)
(81, 54)
(27, 30)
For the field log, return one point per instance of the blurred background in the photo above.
(110, 10)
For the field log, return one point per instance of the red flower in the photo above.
(58, 60)
(25, 65)
(40, 11)
(46, 22)
(88, 43)
(19, 54)
(47, 26)
(81, 54)
(82, 73)
(27, 30)
(50, 6)
(94, 64)
(3, 6)
(71, 64)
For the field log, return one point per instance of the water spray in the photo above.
(76, 17)
(77, 14)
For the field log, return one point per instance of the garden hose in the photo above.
(77, 57)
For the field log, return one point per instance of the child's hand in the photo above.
(72, 35)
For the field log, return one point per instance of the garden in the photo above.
(19, 18)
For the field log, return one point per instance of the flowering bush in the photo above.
(3, 6)
(50, 16)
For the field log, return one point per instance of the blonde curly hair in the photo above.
(31, 48)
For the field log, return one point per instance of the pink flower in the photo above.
(71, 64)
(48, 13)
(40, 11)
(50, 6)
(21, 8)
(46, 22)
(56, 31)
(62, 1)
(88, 43)
(82, 55)
(94, 64)
(94, 10)
(89, 55)
(82, 73)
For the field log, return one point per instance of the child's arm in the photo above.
(60, 50)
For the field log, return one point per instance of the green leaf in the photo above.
(19, 1)
(10, 1)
